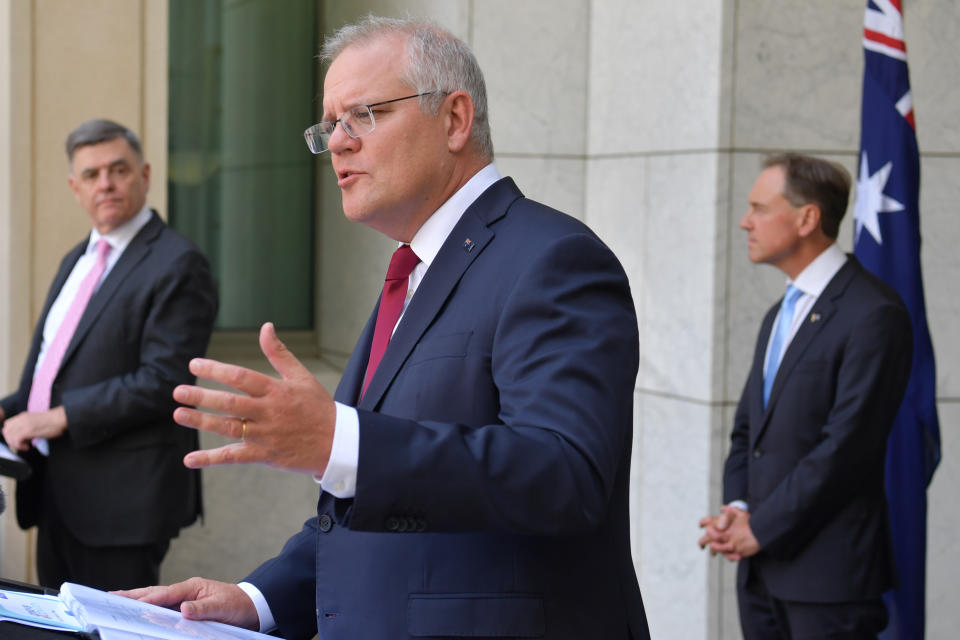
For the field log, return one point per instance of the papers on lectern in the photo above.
(113, 617)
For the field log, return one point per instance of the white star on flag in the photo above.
(871, 201)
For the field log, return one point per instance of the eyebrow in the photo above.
(326, 117)
(92, 170)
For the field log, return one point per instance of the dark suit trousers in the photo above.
(764, 617)
(62, 558)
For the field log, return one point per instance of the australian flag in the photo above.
(887, 241)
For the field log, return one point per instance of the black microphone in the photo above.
(3, 500)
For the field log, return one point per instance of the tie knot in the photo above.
(790, 297)
(103, 248)
(402, 263)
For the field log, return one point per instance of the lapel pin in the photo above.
(814, 317)
(468, 244)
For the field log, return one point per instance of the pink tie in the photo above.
(391, 305)
(43, 379)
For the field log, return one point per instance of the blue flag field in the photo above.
(887, 242)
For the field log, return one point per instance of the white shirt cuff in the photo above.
(267, 623)
(340, 477)
(739, 504)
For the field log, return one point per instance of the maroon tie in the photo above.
(391, 306)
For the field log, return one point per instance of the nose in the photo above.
(745, 223)
(104, 180)
(341, 141)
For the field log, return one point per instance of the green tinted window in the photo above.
(243, 87)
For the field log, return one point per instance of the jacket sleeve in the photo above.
(288, 582)
(735, 469)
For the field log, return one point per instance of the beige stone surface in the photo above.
(646, 119)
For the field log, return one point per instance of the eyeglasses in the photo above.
(357, 122)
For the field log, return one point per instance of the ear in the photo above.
(809, 220)
(458, 120)
(74, 186)
(145, 172)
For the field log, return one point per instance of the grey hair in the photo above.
(808, 179)
(96, 131)
(436, 60)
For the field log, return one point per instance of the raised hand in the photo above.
(286, 423)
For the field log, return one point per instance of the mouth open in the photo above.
(346, 177)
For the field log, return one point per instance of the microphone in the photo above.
(3, 500)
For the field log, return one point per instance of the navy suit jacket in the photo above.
(495, 441)
(811, 465)
(117, 474)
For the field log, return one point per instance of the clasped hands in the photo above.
(729, 533)
(286, 423)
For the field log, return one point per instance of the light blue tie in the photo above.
(779, 340)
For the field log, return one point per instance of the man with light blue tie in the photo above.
(128, 308)
(806, 513)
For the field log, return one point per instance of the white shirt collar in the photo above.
(433, 233)
(120, 237)
(818, 274)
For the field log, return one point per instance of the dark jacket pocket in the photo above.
(452, 345)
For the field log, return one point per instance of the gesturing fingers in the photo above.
(250, 382)
(285, 422)
(235, 453)
(227, 402)
(281, 358)
(229, 426)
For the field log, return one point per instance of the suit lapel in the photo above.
(351, 382)
(756, 380)
(464, 244)
(816, 321)
(69, 262)
(136, 251)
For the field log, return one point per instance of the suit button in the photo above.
(392, 524)
(757, 452)
(325, 523)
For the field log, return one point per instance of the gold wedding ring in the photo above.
(243, 431)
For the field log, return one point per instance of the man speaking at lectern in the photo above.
(475, 465)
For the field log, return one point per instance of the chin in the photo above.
(353, 214)
(358, 210)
